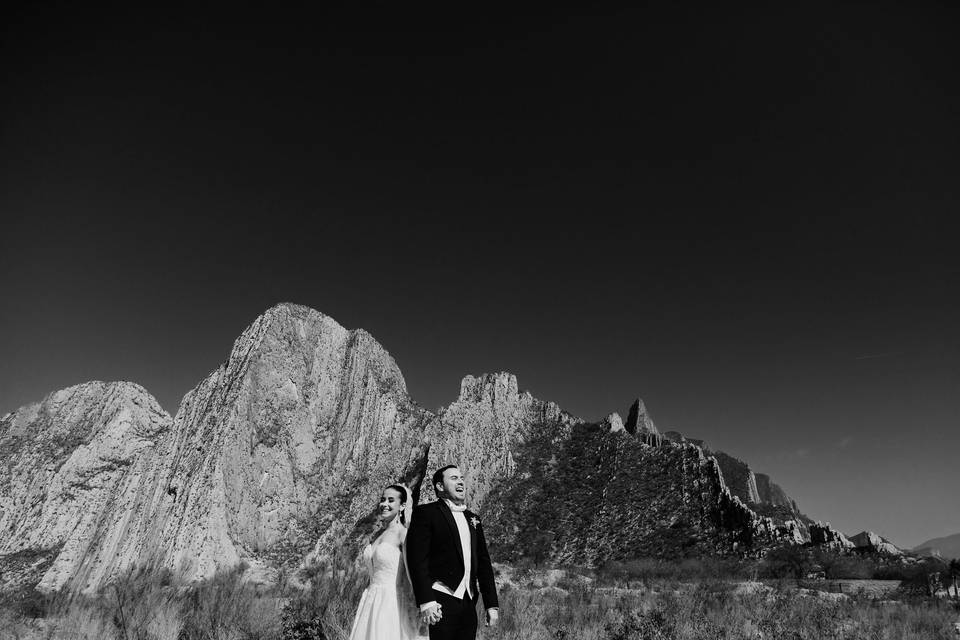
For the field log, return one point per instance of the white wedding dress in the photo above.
(387, 610)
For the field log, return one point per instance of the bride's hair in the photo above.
(402, 490)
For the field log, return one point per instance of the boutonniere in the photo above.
(475, 521)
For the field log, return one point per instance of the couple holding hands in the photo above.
(440, 554)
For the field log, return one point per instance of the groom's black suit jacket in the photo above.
(434, 553)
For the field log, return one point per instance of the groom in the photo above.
(447, 556)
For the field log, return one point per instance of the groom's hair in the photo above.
(438, 474)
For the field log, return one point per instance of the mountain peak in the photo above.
(878, 544)
(292, 331)
(947, 546)
(489, 386)
(641, 424)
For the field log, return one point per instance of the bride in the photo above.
(387, 610)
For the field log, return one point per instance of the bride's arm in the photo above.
(407, 511)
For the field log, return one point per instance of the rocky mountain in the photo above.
(74, 481)
(482, 429)
(640, 494)
(946, 547)
(755, 489)
(869, 542)
(597, 492)
(640, 424)
(281, 452)
(823, 535)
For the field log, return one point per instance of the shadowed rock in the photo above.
(771, 493)
(640, 424)
(738, 476)
(598, 493)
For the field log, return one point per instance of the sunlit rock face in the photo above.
(869, 542)
(74, 482)
(480, 431)
(823, 535)
(288, 443)
(280, 451)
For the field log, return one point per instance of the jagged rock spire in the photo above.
(640, 424)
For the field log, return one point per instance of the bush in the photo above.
(788, 561)
(838, 566)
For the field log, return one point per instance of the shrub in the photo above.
(788, 561)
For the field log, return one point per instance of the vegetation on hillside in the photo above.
(594, 495)
(641, 598)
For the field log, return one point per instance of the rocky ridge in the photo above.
(610, 495)
(281, 452)
(73, 478)
(869, 542)
(484, 426)
(947, 546)
(757, 490)
(823, 535)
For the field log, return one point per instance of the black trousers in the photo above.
(459, 621)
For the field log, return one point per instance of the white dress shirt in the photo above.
(464, 587)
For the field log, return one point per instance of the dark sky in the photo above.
(744, 218)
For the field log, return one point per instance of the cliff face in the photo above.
(482, 429)
(281, 450)
(771, 493)
(72, 480)
(292, 439)
(739, 477)
(757, 490)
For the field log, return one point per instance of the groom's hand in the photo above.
(431, 614)
(493, 617)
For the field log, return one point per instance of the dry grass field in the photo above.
(536, 605)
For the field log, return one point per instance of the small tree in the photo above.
(837, 565)
(788, 560)
(954, 573)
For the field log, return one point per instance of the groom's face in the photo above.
(453, 486)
